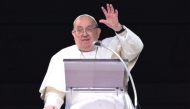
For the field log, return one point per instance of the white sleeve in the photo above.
(130, 43)
(53, 99)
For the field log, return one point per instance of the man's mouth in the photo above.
(85, 39)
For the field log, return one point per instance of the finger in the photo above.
(108, 8)
(111, 8)
(116, 12)
(104, 10)
(103, 21)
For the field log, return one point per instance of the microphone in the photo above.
(99, 44)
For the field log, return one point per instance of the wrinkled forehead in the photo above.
(84, 21)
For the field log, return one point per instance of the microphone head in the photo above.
(97, 44)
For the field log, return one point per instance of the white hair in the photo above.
(87, 16)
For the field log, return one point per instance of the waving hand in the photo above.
(111, 19)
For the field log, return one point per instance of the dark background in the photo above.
(31, 32)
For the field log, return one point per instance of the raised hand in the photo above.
(111, 20)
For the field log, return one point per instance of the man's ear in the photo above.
(98, 32)
(73, 33)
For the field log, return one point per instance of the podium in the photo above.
(94, 75)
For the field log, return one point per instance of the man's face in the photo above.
(85, 33)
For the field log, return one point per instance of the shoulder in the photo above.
(63, 52)
(109, 40)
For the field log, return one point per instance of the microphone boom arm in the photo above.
(128, 72)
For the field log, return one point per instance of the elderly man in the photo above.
(85, 31)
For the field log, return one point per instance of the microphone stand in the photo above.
(96, 43)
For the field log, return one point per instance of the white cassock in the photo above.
(127, 44)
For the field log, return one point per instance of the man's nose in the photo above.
(85, 33)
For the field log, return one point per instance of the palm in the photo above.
(111, 17)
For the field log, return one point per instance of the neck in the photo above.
(88, 50)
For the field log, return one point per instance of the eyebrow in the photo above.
(86, 27)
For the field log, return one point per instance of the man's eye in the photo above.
(80, 30)
(88, 29)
